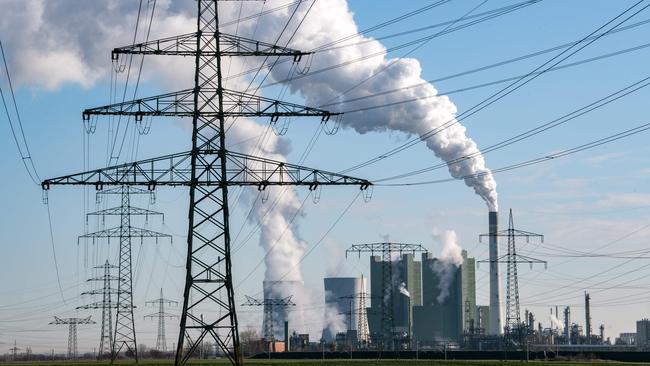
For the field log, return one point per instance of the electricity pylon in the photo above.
(72, 332)
(161, 341)
(386, 250)
(107, 305)
(361, 312)
(124, 332)
(208, 169)
(513, 328)
(14, 351)
(269, 305)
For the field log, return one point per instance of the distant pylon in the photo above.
(72, 332)
(14, 351)
(362, 314)
(107, 305)
(269, 305)
(161, 342)
(124, 332)
(513, 327)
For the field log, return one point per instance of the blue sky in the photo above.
(580, 202)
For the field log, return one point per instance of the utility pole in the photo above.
(161, 342)
(513, 327)
(124, 332)
(72, 332)
(107, 305)
(269, 305)
(208, 169)
(386, 250)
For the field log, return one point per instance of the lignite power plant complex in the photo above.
(226, 155)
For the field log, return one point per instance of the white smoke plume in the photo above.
(331, 20)
(403, 290)
(333, 320)
(47, 52)
(449, 260)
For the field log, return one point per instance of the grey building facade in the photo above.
(448, 301)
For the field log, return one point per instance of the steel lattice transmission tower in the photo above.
(387, 250)
(14, 351)
(269, 305)
(361, 312)
(72, 332)
(161, 341)
(107, 292)
(513, 327)
(208, 169)
(124, 332)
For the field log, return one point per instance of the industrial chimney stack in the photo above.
(496, 324)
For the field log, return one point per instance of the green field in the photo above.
(344, 363)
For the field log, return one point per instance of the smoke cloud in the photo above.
(48, 53)
(331, 20)
(333, 320)
(450, 259)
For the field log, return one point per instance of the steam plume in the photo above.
(450, 258)
(403, 290)
(331, 20)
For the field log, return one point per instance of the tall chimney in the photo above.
(588, 318)
(496, 324)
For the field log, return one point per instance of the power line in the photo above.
(512, 87)
(26, 155)
(481, 85)
(545, 158)
(599, 103)
(415, 42)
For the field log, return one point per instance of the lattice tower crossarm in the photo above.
(72, 332)
(208, 169)
(269, 305)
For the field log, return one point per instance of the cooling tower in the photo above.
(496, 324)
(342, 301)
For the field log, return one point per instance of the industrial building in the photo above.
(405, 272)
(643, 333)
(448, 301)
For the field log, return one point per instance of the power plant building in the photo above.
(643, 333)
(448, 301)
(406, 272)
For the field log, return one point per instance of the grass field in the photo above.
(340, 362)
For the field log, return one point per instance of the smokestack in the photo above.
(588, 318)
(496, 325)
(287, 340)
(567, 325)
